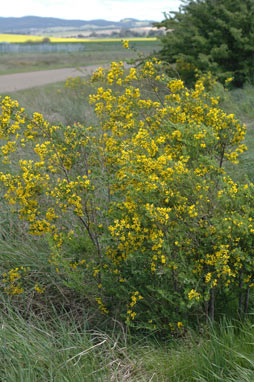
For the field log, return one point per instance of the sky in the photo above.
(113, 10)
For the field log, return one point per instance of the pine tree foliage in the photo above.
(211, 35)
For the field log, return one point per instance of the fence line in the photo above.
(45, 47)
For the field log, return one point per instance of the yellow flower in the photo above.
(193, 294)
(125, 44)
(38, 289)
(228, 80)
(208, 277)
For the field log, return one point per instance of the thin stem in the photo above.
(211, 305)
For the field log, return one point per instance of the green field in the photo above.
(94, 53)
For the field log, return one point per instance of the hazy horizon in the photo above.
(111, 10)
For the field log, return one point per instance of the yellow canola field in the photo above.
(18, 38)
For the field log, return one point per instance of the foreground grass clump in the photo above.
(63, 349)
(139, 212)
(59, 349)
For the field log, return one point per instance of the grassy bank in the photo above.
(241, 102)
(56, 103)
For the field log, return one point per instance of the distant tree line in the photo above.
(127, 33)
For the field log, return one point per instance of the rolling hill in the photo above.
(29, 24)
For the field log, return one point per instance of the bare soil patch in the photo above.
(19, 81)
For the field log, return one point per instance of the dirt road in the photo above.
(20, 81)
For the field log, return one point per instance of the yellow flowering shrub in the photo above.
(146, 190)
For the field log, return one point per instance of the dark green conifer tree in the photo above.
(211, 35)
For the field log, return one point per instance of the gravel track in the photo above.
(19, 81)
